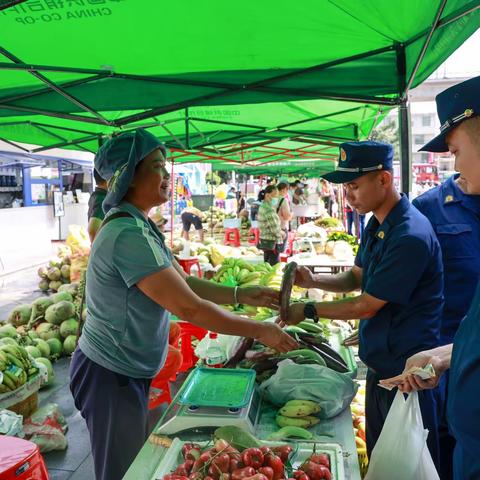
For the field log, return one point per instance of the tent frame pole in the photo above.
(172, 199)
(426, 44)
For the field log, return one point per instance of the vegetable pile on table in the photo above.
(315, 349)
(229, 461)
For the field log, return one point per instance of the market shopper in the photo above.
(284, 211)
(95, 209)
(192, 216)
(271, 234)
(456, 223)
(299, 194)
(132, 284)
(399, 271)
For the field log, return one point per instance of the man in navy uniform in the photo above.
(399, 271)
(457, 220)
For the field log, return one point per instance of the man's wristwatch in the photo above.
(309, 311)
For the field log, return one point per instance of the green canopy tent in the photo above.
(237, 134)
(108, 64)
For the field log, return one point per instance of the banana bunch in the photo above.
(298, 413)
(16, 367)
(239, 272)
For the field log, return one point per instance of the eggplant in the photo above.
(257, 355)
(264, 365)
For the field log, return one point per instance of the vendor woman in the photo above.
(133, 283)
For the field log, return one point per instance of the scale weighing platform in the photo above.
(211, 398)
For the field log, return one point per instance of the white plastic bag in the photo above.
(401, 452)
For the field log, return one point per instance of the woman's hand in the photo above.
(259, 297)
(271, 335)
(304, 277)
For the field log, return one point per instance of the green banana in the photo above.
(3, 357)
(311, 327)
(287, 432)
(3, 388)
(294, 329)
(303, 422)
(250, 277)
(12, 359)
(9, 380)
(294, 411)
(309, 403)
(306, 353)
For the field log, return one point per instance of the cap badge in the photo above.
(468, 112)
(343, 154)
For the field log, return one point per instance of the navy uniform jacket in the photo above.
(402, 265)
(463, 406)
(455, 217)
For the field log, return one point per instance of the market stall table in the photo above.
(322, 263)
(147, 461)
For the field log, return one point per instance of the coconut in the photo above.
(46, 331)
(44, 285)
(20, 315)
(55, 262)
(33, 351)
(58, 312)
(70, 288)
(62, 296)
(65, 271)
(55, 285)
(39, 306)
(43, 346)
(46, 362)
(68, 327)
(70, 344)
(42, 272)
(8, 331)
(56, 348)
(7, 341)
(32, 334)
(54, 274)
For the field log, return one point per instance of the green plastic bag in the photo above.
(332, 390)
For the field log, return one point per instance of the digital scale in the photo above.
(211, 398)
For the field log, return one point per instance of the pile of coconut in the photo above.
(55, 274)
(48, 327)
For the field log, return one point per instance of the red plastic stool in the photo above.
(188, 263)
(189, 331)
(21, 460)
(159, 393)
(253, 236)
(232, 237)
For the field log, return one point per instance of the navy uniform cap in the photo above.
(359, 158)
(454, 105)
